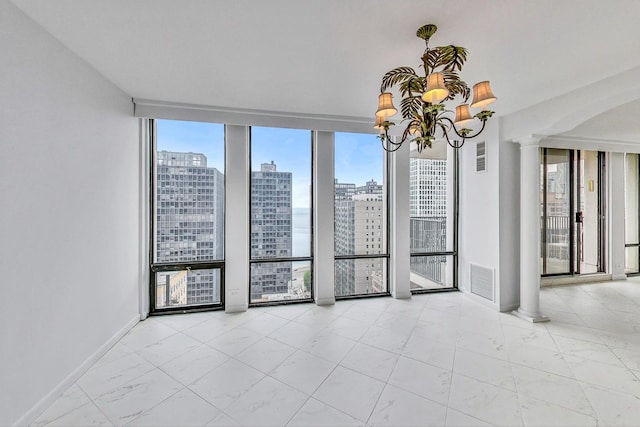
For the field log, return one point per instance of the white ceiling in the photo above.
(327, 57)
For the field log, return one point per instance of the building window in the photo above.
(281, 215)
(187, 260)
(360, 187)
(432, 213)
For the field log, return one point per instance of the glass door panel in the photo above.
(556, 212)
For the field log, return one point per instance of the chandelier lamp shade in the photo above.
(423, 99)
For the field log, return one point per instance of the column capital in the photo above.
(528, 141)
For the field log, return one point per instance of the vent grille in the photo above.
(482, 282)
(481, 157)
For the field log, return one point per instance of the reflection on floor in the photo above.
(438, 359)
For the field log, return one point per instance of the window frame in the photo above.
(161, 267)
(455, 223)
(386, 256)
(291, 259)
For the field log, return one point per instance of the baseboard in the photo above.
(33, 413)
(619, 277)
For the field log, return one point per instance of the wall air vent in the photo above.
(482, 282)
(481, 156)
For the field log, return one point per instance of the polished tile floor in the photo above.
(439, 359)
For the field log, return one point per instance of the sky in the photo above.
(358, 157)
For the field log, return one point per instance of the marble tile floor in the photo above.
(437, 359)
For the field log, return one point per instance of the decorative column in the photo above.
(530, 231)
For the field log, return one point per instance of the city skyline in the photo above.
(358, 157)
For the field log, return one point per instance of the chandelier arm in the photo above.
(393, 149)
(484, 123)
(454, 144)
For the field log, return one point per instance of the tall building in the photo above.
(428, 224)
(428, 188)
(189, 222)
(271, 230)
(359, 229)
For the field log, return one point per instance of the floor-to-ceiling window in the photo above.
(281, 215)
(432, 199)
(187, 259)
(360, 198)
(632, 214)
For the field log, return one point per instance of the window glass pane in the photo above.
(431, 272)
(557, 221)
(189, 208)
(280, 281)
(280, 209)
(360, 195)
(188, 287)
(632, 175)
(431, 198)
(360, 276)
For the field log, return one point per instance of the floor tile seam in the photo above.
(89, 400)
(594, 415)
(469, 350)
(428, 363)
(605, 345)
(187, 385)
(554, 334)
(172, 358)
(159, 403)
(119, 342)
(590, 359)
(545, 371)
(453, 363)
(297, 411)
(380, 348)
(430, 339)
(486, 383)
(364, 422)
(608, 388)
(556, 403)
(111, 390)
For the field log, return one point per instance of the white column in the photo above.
(530, 231)
(616, 223)
(236, 234)
(323, 219)
(400, 281)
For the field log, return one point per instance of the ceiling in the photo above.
(327, 57)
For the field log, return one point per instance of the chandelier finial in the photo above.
(426, 31)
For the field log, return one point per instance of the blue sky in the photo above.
(358, 157)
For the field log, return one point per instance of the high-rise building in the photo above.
(189, 222)
(428, 184)
(428, 188)
(271, 230)
(359, 229)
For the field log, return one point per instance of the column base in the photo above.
(533, 319)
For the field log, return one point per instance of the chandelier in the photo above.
(423, 98)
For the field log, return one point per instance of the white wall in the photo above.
(479, 209)
(69, 215)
